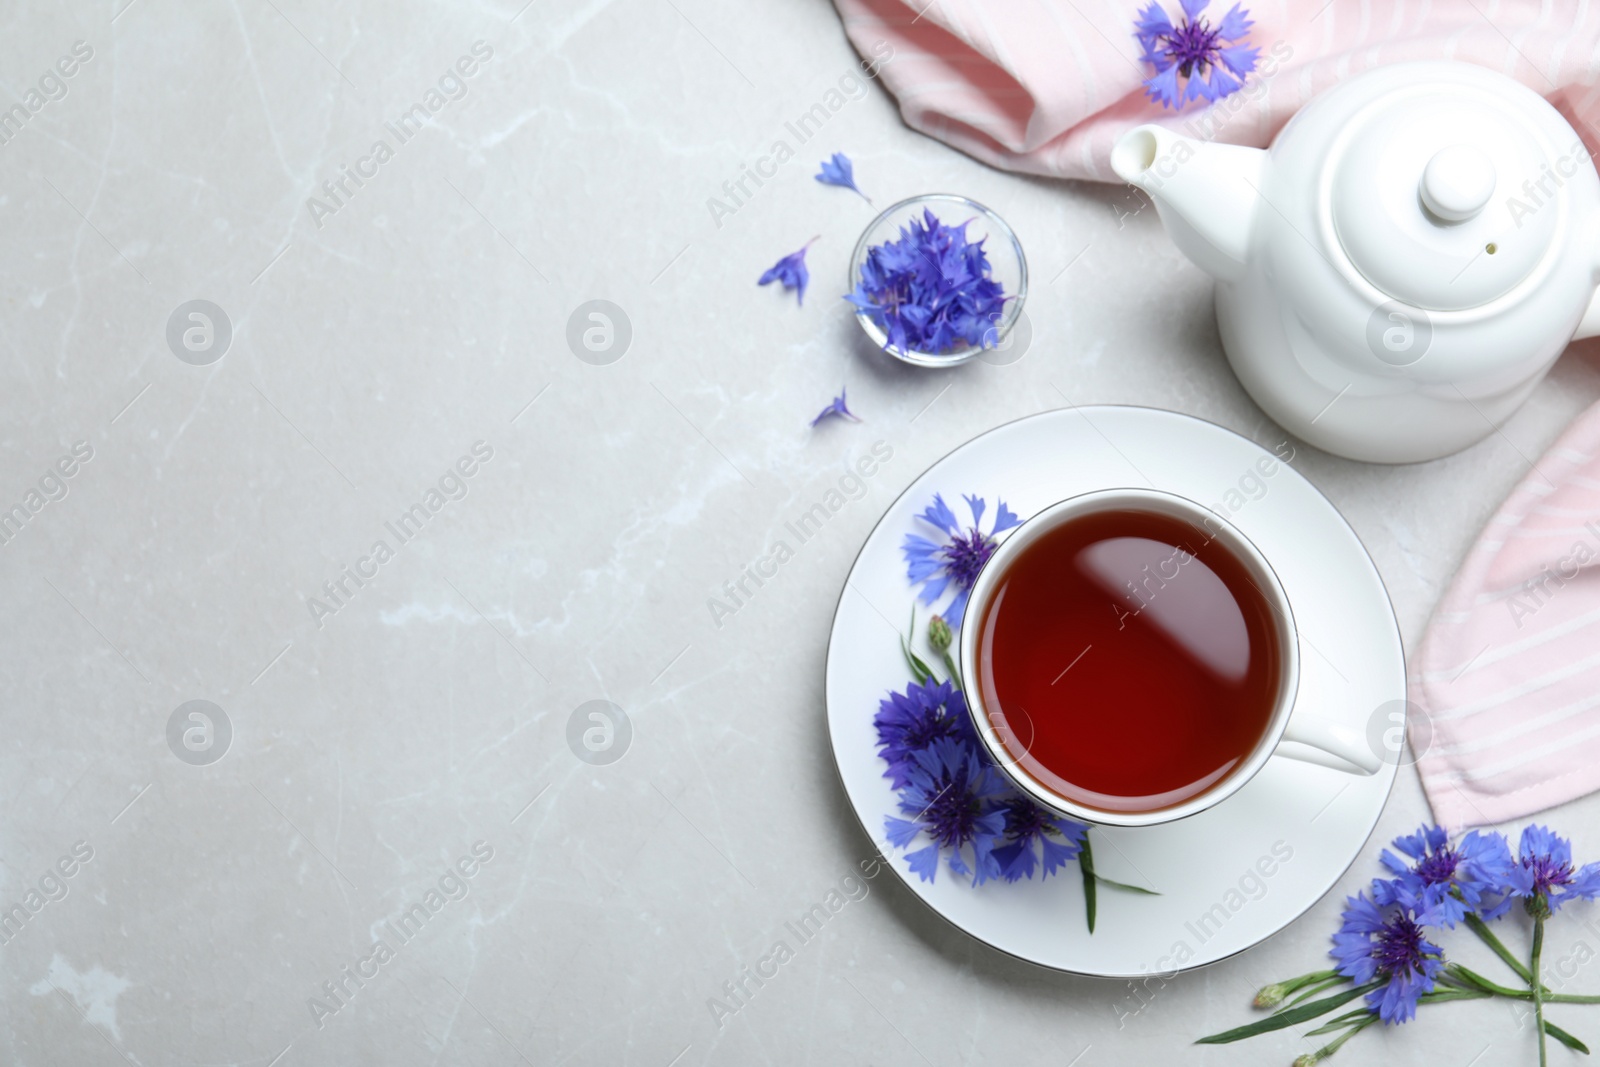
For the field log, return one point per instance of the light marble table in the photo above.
(381, 733)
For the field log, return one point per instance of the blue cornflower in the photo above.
(957, 560)
(911, 721)
(837, 171)
(837, 408)
(949, 793)
(791, 271)
(930, 289)
(1387, 943)
(1212, 60)
(1469, 876)
(1543, 874)
(1060, 840)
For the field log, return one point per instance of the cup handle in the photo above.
(1336, 745)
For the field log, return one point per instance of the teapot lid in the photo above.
(1444, 196)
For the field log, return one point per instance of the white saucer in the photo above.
(1216, 897)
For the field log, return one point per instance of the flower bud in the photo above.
(1271, 996)
(1310, 1059)
(939, 634)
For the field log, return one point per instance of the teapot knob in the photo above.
(1457, 182)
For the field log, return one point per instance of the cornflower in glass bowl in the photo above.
(937, 279)
(955, 560)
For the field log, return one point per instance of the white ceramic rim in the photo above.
(1164, 503)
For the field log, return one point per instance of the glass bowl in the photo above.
(1007, 265)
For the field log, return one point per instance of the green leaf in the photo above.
(1479, 927)
(1292, 1017)
(1319, 980)
(1340, 1022)
(1311, 991)
(919, 670)
(1470, 979)
(1124, 885)
(1474, 979)
(1565, 1038)
(1086, 865)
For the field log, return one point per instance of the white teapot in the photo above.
(1399, 270)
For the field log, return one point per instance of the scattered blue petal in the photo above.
(791, 271)
(838, 171)
(838, 408)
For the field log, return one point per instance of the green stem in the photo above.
(1291, 1016)
(1537, 982)
(955, 675)
(1306, 979)
(1457, 977)
(1339, 1022)
(1270, 996)
(1333, 1046)
(1474, 980)
(1440, 996)
(1486, 935)
(1313, 990)
(1086, 865)
(1549, 998)
(1454, 985)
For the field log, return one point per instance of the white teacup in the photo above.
(1287, 722)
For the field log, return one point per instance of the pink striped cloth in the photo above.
(1506, 686)
(1046, 86)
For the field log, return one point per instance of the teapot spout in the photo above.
(1207, 194)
